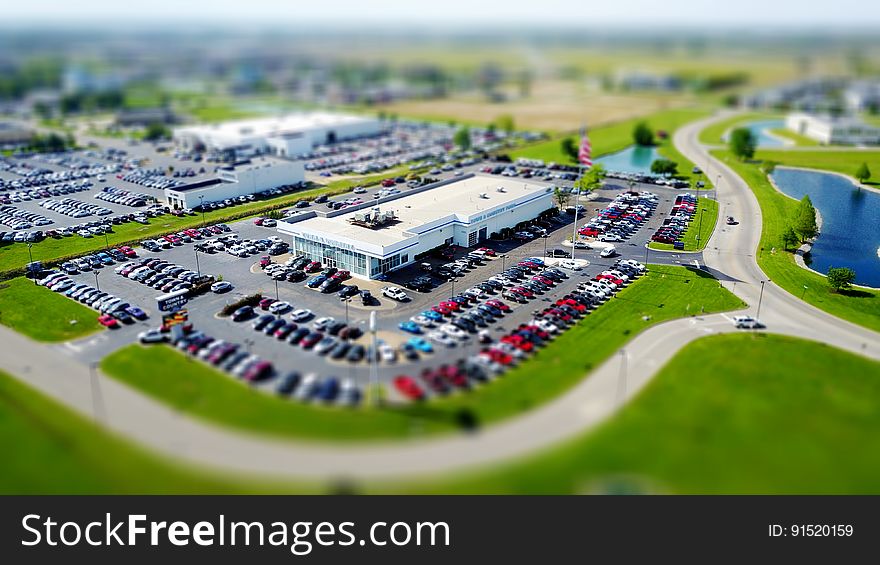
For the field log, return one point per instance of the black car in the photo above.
(263, 321)
(242, 313)
(321, 199)
(296, 276)
(356, 353)
(366, 297)
(329, 285)
(288, 383)
(340, 350)
(296, 336)
(272, 326)
(347, 291)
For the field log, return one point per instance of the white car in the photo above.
(570, 265)
(422, 321)
(475, 292)
(323, 323)
(279, 307)
(221, 286)
(394, 293)
(609, 251)
(747, 322)
(387, 353)
(610, 237)
(301, 314)
(442, 338)
(307, 387)
(359, 190)
(453, 331)
(634, 264)
(152, 336)
(615, 273)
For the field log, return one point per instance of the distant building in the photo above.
(80, 79)
(286, 136)
(12, 135)
(830, 130)
(233, 181)
(862, 96)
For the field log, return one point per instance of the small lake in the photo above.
(761, 132)
(850, 232)
(634, 159)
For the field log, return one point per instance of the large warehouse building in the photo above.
(387, 236)
(232, 181)
(285, 136)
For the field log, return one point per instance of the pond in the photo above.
(761, 132)
(634, 159)
(850, 231)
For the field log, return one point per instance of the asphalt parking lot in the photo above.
(247, 278)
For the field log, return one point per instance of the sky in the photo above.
(457, 13)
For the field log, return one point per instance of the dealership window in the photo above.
(472, 239)
(332, 256)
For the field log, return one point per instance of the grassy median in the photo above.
(702, 228)
(858, 305)
(193, 387)
(730, 414)
(714, 134)
(41, 314)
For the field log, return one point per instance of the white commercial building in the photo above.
(381, 237)
(833, 131)
(284, 136)
(242, 179)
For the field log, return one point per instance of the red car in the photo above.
(435, 381)
(266, 302)
(558, 313)
(257, 371)
(388, 182)
(487, 251)
(108, 321)
(543, 280)
(573, 303)
(313, 266)
(341, 275)
(127, 251)
(310, 340)
(453, 375)
(451, 305)
(612, 278)
(442, 310)
(523, 291)
(519, 342)
(408, 388)
(259, 221)
(498, 304)
(529, 265)
(498, 356)
(536, 330)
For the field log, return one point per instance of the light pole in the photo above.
(804, 293)
(544, 237)
(198, 268)
(276, 290)
(503, 258)
(760, 298)
(97, 286)
(453, 286)
(106, 241)
(700, 231)
(647, 247)
(202, 207)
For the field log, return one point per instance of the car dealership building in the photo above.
(378, 237)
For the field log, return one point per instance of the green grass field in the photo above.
(703, 228)
(41, 314)
(730, 414)
(664, 293)
(49, 449)
(713, 135)
(845, 161)
(798, 139)
(859, 306)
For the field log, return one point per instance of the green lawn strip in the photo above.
(14, 256)
(839, 161)
(740, 413)
(41, 314)
(859, 306)
(710, 218)
(664, 293)
(714, 134)
(685, 166)
(49, 449)
(613, 137)
(799, 140)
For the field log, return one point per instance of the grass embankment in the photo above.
(798, 139)
(859, 306)
(49, 449)
(41, 314)
(664, 293)
(740, 413)
(15, 255)
(616, 137)
(845, 161)
(703, 228)
(714, 134)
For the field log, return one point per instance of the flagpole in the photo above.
(576, 201)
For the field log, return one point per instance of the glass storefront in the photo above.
(331, 256)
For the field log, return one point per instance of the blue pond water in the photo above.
(759, 130)
(634, 159)
(850, 233)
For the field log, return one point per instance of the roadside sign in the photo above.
(174, 318)
(172, 300)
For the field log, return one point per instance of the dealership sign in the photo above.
(172, 300)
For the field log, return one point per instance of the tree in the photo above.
(505, 122)
(664, 167)
(569, 148)
(561, 197)
(156, 130)
(743, 143)
(840, 278)
(805, 220)
(591, 180)
(789, 238)
(863, 173)
(642, 134)
(768, 167)
(462, 138)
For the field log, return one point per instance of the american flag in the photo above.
(585, 153)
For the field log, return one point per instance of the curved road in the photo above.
(729, 255)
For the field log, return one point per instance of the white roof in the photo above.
(290, 124)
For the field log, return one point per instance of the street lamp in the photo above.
(503, 258)
(198, 267)
(544, 237)
(31, 257)
(804, 293)
(276, 290)
(760, 298)
(202, 207)
(647, 247)
(700, 231)
(97, 286)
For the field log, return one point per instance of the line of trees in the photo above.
(665, 167)
(50, 143)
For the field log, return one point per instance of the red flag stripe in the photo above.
(585, 152)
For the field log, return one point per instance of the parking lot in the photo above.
(247, 278)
